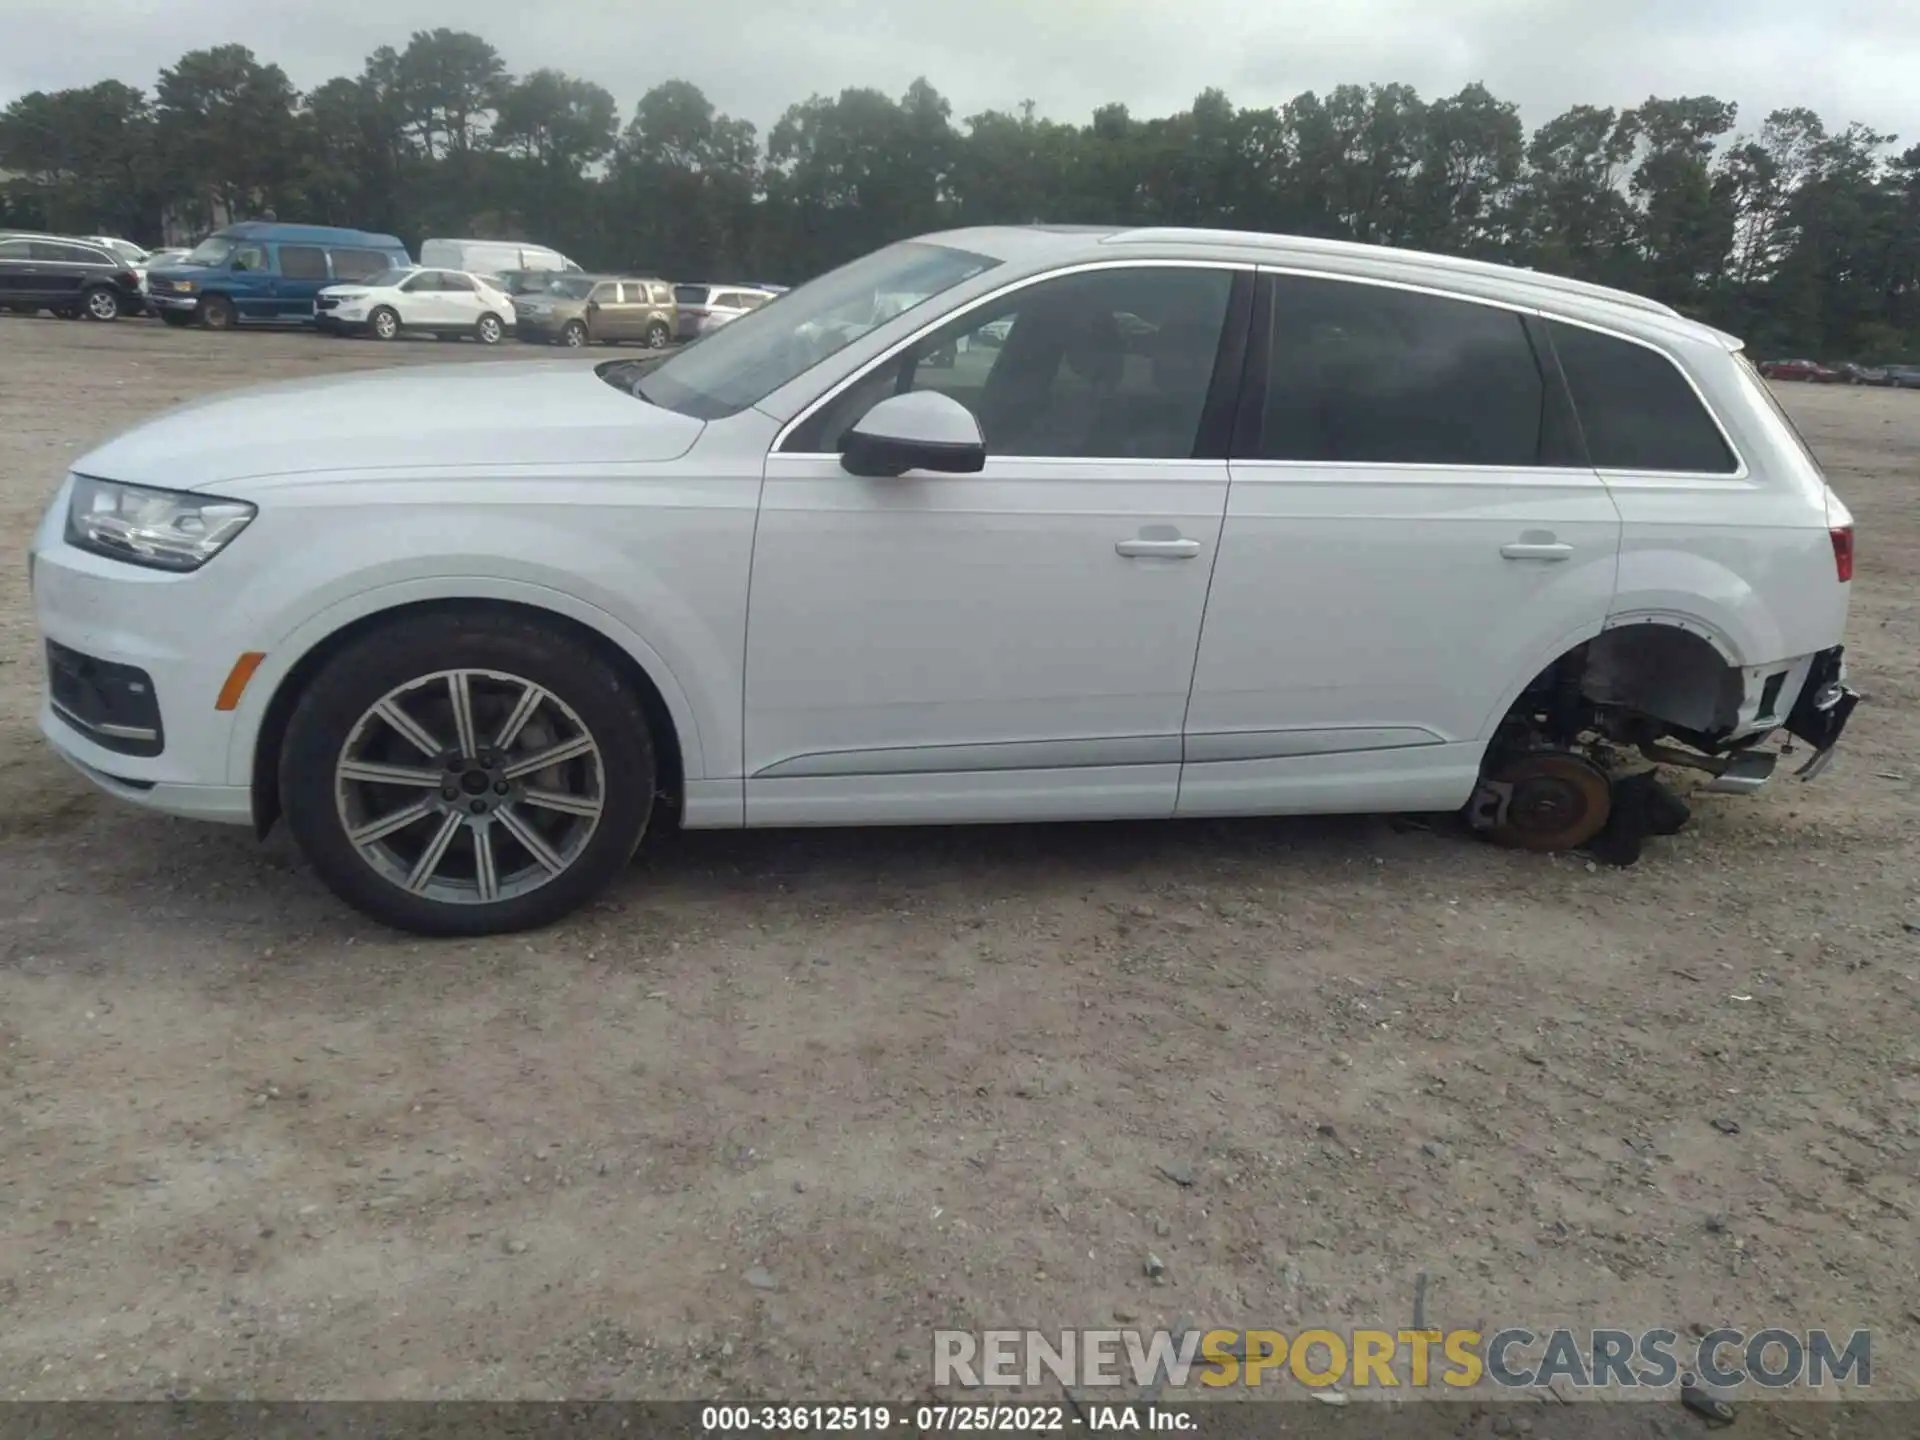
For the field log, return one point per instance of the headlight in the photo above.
(186, 285)
(162, 529)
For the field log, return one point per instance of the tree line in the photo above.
(1796, 235)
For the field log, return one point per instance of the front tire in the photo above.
(489, 330)
(216, 312)
(102, 303)
(410, 775)
(574, 336)
(383, 323)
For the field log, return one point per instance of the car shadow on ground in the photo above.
(212, 878)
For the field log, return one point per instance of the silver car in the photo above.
(708, 307)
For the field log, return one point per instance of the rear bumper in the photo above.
(1825, 705)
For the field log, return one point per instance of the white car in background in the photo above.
(1226, 524)
(138, 260)
(493, 256)
(448, 303)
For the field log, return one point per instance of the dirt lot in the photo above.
(251, 1145)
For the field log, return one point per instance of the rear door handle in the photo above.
(1162, 549)
(1537, 550)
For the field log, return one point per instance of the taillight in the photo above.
(1842, 552)
(128, 279)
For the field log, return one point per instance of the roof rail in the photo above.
(1425, 259)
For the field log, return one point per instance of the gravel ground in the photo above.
(252, 1146)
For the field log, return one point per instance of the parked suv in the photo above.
(261, 271)
(1226, 524)
(598, 310)
(708, 307)
(71, 278)
(449, 304)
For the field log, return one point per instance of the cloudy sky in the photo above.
(1848, 59)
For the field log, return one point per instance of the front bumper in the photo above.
(113, 628)
(168, 300)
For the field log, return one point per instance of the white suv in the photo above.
(1181, 523)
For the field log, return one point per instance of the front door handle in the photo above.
(1161, 549)
(1537, 550)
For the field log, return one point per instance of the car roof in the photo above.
(312, 234)
(1041, 246)
(85, 242)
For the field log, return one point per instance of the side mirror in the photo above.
(923, 430)
(592, 305)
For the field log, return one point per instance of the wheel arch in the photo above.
(264, 772)
(1674, 667)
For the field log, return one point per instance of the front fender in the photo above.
(674, 598)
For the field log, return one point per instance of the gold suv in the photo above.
(598, 310)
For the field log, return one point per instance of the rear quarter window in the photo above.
(1638, 411)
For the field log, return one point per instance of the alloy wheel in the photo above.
(469, 787)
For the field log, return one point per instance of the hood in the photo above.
(484, 416)
(179, 270)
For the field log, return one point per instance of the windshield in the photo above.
(573, 287)
(385, 279)
(742, 363)
(213, 250)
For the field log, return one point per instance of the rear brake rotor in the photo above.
(1550, 800)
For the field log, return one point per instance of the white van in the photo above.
(491, 257)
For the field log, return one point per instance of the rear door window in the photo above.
(1369, 374)
(1638, 410)
(357, 265)
(303, 262)
(69, 254)
(454, 282)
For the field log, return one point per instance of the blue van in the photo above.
(262, 271)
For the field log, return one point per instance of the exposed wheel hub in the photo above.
(1546, 800)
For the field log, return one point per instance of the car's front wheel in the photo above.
(467, 773)
(384, 323)
(574, 336)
